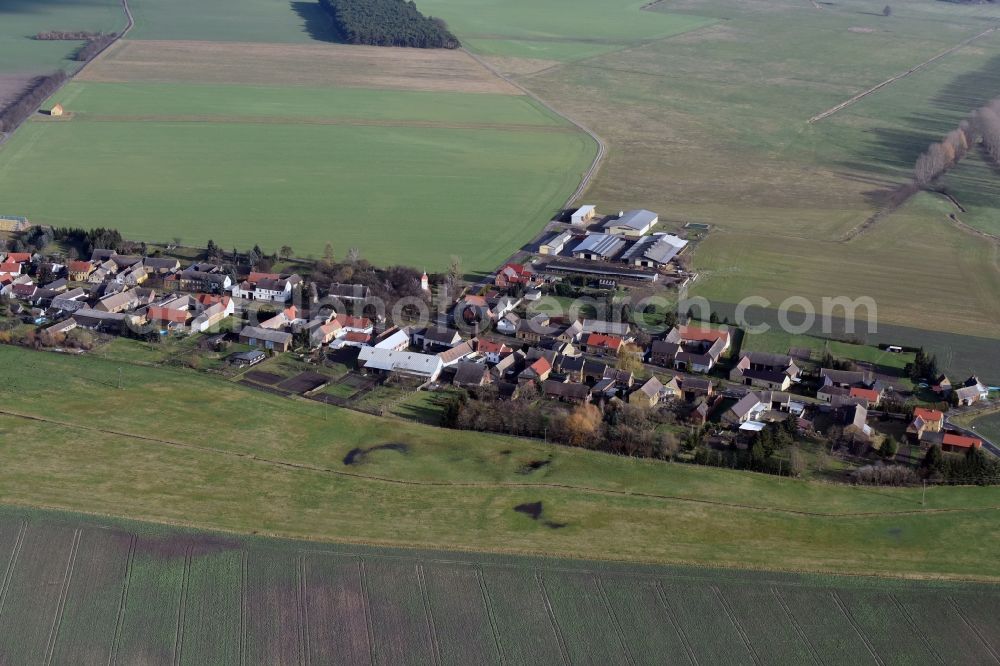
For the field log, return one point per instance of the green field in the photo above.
(246, 164)
(85, 589)
(241, 460)
(716, 132)
(298, 21)
(989, 426)
(21, 19)
(557, 29)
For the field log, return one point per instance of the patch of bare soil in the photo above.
(358, 455)
(534, 510)
(512, 66)
(295, 64)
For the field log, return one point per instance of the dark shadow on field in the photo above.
(38, 7)
(359, 455)
(316, 22)
(971, 90)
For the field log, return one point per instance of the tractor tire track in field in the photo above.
(50, 643)
(319, 469)
(12, 562)
(905, 614)
(342, 121)
(672, 617)
(744, 636)
(490, 614)
(301, 608)
(182, 607)
(602, 149)
(431, 629)
(795, 624)
(120, 622)
(974, 629)
(857, 627)
(916, 68)
(366, 600)
(563, 650)
(619, 632)
(244, 572)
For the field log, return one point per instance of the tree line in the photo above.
(30, 99)
(982, 125)
(388, 23)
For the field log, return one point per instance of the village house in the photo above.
(846, 378)
(167, 317)
(691, 349)
(491, 351)
(602, 345)
(79, 271)
(695, 387)
(323, 333)
(132, 276)
(255, 336)
(455, 354)
(534, 329)
(214, 312)
(598, 247)
(755, 405)
(508, 324)
(925, 421)
(191, 279)
(349, 294)
(514, 274)
(283, 320)
(566, 392)
(120, 301)
(942, 386)
(632, 224)
(435, 339)
(396, 339)
(855, 419)
(469, 374)
(623, 379)
(70, 301)
(267, 287)
(161, 265)
(654, 251)
(426, 367)
(581, 369)
(648, 394)
(774, 372)
(868, 397)
(538, 371)
(971, 392)
(246, 359)
(954, 443)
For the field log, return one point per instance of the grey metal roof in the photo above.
(633, 219)
(660, 248)
(605, 245)
(258, 333)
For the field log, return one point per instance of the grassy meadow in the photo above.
(557, 29)
(711, 126)
(276, 21)
(21, 19)
(302, 167)
(85, 588)
(240, 460)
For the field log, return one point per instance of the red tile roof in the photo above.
(868, 394)
(357, 336)
(80, 267)
(541, 366)
(18, 257)
(927, 415)
(702, 334)
(10, 268)
(601, 340)
(167, 315)
(257, 277)
(348, 321)
(961, 441)
(490, 347)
